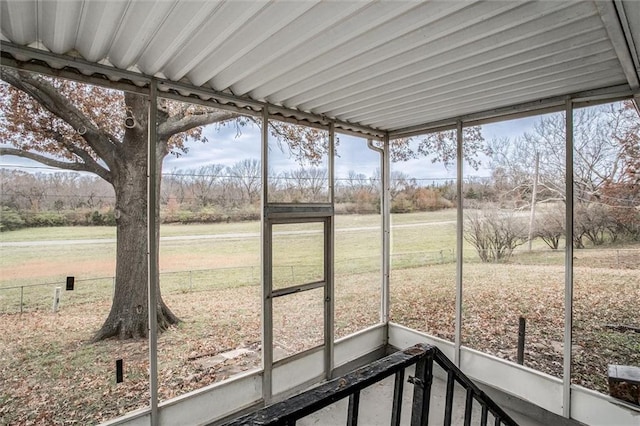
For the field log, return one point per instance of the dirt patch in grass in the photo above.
(50, 374)
(41, 270)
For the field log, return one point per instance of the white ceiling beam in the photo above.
(633, 14)
(19, 21)
(479, 94)
(96, 29)
(58, 24)
(518, 79)
(259, 28)
(226, 20)
(530, 53)
(484, 26)
(517, 110)
(444, 109)
(366, 20)
(611, 22)
(139, 25)
(177, 32)
(363, 43)
(276, 49)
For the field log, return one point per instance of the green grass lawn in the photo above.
(357, 237)
(212, 284)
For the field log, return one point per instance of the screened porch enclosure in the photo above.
(382, 77)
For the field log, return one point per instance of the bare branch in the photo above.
(76, 166)
(183, 123)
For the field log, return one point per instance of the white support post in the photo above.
(383, 254)
(459, 241)
(152, 248)
(329, 288)
(568, 262)
(265, 259)
(386, 232)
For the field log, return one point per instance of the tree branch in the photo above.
(183, 123)
(89, 163)
(57, 104)
(79, 167)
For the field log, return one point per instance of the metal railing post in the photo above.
(448, 408)
(396, 410)
(352, 411)
(422, 391)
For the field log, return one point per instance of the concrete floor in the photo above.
(376, 402)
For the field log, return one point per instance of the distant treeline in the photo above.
(213, 193)
(216, 193)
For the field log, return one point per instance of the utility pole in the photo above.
(534, 193)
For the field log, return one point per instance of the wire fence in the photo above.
(42, 296)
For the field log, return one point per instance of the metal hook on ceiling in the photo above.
(129, 121)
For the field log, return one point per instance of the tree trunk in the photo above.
(129, 315)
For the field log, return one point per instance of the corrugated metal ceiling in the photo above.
(384, 65)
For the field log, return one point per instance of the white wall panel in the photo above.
(596, 409)
(359, 344)
(402, 337)
(220, 400)
(540, 389)
(296, 372)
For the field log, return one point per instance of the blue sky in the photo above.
(227, 147)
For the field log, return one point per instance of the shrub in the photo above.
(550, 227)
(401, 203)
(95, 218)
(10, 220)
(495, 234)
(594, 222)
(45, 219)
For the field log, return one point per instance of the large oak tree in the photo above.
(85, 128)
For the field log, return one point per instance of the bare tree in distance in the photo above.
(494, 234)
(606, 148)
(550, 226)
(247, 175)
(204, 180)
(601, 136)
(441, 147)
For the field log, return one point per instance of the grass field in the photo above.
(51, 375)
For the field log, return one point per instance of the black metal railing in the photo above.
(289, 411)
